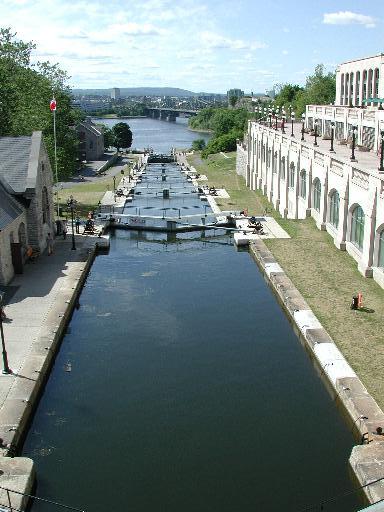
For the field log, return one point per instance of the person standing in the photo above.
(50, 243)
(65, 229)
(77, 224)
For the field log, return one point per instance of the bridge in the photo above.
(169, 114)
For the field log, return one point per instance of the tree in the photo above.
(109, 139)
(232, 100)
(198, 144)
(25, 93)
(122, 136)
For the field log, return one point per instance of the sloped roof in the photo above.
(9, 208)
(14, 161)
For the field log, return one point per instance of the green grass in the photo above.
(326, 277)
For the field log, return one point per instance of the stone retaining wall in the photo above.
(241, 161)
(363, 412)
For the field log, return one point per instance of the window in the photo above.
(303, 184)
(380, 262)
(357, 227)
(291, 181)
(316, 194)
(282, 168)
(334, 203)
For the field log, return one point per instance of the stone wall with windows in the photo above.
(14, 232)
(300, 180)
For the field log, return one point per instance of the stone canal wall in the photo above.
(364, 414)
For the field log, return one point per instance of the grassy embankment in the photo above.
(88, 194)
(326, 277)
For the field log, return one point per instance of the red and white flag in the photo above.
(52, 105)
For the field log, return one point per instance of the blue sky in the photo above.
(200, 45)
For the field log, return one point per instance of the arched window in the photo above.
(365, 78)
(282, 168)
(45, 204)
(303, 184)
(351, 89)
(380, 262)
(334, 204)
(376, 86)
(316, 194)
(274, 162)
(357, 227)
(358, 88)
(346, 89)
(291, 181)
(342, 88)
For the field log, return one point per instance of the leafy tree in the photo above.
(25, 93)
(225, 142)
(198, 144)
(109, 139)
(287, 94)
(232, 100)
(122, 136)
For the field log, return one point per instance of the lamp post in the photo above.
(302, 126)
(292, 121)
(283, 119)
(276, 116)
(332, 137)
(315, 143)
(71, 203)
(270, 118)
(354, 132)
(114, 184)
(381, 168)
(6, 369)
(290, 110)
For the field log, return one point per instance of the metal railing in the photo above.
(8, 507)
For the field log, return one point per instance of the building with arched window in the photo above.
(26, 204)
(316, 194)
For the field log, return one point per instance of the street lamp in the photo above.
(354, 132)
(332, 137)
(292, 121)
(316, 124)
(6, 369)
(302, 126)
(381, 168)
(270, 118)
(114, 183)
(276, 116)
(71, 203)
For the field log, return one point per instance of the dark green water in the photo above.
(189, 391)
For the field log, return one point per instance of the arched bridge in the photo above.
(169, 114)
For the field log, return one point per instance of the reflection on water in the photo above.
(189, 391)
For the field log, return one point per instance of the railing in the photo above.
(8, 507)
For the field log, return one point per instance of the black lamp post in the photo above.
(381, 168)
(283, 119)
(292, 121)
(302, 126)
(276, 116)
(114, 184)
(354, 131)
(270, 118)
(315, 143)
(71, 203)
(332, 137)
(6, 369)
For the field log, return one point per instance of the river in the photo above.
(189, 390)
(160, 135)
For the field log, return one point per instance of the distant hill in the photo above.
(140, 91)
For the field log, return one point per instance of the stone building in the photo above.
(301, 179)
(91, 141)
(26, 203)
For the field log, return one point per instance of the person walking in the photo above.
(65, 229)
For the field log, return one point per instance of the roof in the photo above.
(19, 161)
(91, 128)
(9, 209)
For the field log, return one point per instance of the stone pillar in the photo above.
(366, 262)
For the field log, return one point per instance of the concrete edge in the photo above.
(359, 407)
(21, 403)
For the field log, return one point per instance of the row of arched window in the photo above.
(356, 88)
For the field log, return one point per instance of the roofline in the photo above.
(362, 58)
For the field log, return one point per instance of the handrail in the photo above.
(12, 509)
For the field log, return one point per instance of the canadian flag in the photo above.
(52, 105)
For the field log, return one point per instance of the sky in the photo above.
(199, 45)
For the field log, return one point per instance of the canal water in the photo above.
(188, 389)
(162, 136)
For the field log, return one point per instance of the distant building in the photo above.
(237, 93)
(91, 141)
(358, 81)
(26, 202)
(115, 93)
(271, 94)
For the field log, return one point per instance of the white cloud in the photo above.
(285, 52)
(135, 29)
(348, 18)
(213, 40)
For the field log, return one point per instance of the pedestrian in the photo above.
(50, 243)
(65, 229)
(77, 224)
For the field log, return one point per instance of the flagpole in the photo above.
(56, 174)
